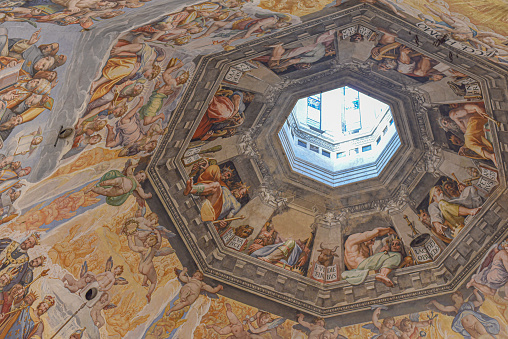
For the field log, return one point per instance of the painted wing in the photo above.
(109, 264)
(371, 327)
(276, 323)
(489, 258)
(84, 269)
(414, 317)
(126, 166)
(165, 233)
(110, 306)
(284, 17)
(301, 328)
(120, 281)
(210, 295)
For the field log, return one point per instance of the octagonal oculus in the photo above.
(339, 136)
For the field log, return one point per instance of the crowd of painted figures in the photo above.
(88, 224)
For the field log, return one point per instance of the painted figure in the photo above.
(225, 111)
(193, 287)
(493, 272)
(110, 277)
(359, 258)
(118, 186)
(317, 329)
(150, 249)
(265, 324)
(96, 311)
(27, 324)
(220, 202)
(15, 254)
(468, 321)
(235, 327)
(168, 92)
(76, 285)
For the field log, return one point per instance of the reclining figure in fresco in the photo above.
(359, 258)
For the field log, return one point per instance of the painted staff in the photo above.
(230, 219)
(70, 318)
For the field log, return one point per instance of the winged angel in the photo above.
(111, 276)
(388, 328)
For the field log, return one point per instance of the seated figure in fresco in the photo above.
(439, 230)
(468, 321)
(291, 252)
(359, 258)
(220, 202)
(128, 61)
(460, 193)
(227, 107)
(448, 213)
(493, 272)
(470, 119)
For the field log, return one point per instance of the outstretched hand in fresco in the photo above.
(193, 287)
(148, 246)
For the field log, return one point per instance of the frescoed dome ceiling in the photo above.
(307, 157)
(302, 208)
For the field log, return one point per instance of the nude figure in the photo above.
(317, 329)
(358, 248)
(147, 252)
(385, 327)
(266, 325)
(190, 292)
(235, 327)
(107, 279)
(74, 285)
(409, 328)
(102, 304)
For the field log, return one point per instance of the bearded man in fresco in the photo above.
(447, 213)
(220, 202)
(226, 108)
(294, 253)
(27, 324)
(14, 253)
(359, 258)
